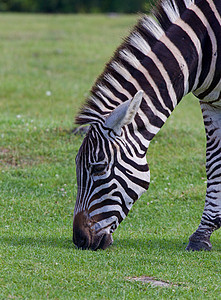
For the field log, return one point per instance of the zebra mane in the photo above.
(107, 93)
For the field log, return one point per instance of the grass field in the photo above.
(48, 64)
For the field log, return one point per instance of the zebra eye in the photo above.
(98, 169)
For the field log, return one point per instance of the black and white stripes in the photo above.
(167, 55)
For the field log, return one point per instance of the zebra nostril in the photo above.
(81, 232)
(80, 239)
(82, 242)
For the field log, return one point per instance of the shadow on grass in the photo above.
(54, 242)
(120, 243)
(155, 243)
(159, 243)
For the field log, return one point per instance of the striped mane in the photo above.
(107, 93)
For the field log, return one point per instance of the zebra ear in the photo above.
(124, 113)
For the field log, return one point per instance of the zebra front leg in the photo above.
(211, 218)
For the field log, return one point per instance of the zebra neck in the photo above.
(166, 70)
(159, 58)
(162, 73)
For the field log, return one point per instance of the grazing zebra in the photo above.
(175, 51)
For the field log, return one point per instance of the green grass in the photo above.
(63, 55)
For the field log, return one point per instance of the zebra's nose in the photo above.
(85, 237)
(80, 239)
(81, 233)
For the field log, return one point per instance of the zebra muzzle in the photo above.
(101, 241)
(84, 237)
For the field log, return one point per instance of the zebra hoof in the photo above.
(200, 240)
(198, 246)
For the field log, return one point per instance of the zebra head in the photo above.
(112, 173)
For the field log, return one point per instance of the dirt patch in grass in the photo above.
(152, 281)
(9, 157)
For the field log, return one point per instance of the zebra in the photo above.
(174, 51)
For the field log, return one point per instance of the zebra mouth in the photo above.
(86, 237)
(98, 242)
(101, 242)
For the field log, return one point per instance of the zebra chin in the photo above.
(85, 235)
